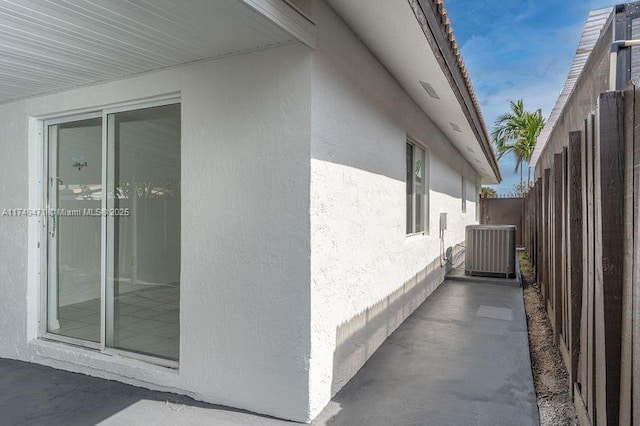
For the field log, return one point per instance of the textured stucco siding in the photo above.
(367, 276)
(245, 231)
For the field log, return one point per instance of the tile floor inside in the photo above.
(146, 321)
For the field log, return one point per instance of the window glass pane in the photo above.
(145, 244)
(419, 189)
(409, 188)
(73, 279)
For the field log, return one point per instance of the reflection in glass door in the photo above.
(74, 187)
(125, 258)
(144, 236)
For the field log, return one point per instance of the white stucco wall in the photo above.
(245, 262)
(367, 276)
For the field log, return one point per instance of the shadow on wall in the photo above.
(358, 338)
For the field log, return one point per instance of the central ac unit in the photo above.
(491, 251)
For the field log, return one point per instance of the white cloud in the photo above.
(521, 63)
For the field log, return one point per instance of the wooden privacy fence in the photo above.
(581, 227)
(503, 211)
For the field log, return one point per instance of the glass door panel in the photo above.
(74, 234)
(143, 272)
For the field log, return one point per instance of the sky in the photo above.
(518, 49)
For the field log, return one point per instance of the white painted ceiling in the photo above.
(48, 46)
(392, 32)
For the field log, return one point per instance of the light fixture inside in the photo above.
(430, 90)
(470, 149)
(455, 127)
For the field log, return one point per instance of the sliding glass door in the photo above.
(113, 274)
(75, 184)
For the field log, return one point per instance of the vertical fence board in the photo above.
(590, 355)
(583, 362)
(564, 290)
(552, 251)
(539, 236)
(540, 221)
(609, 230)
(586, 369)
(636, 264)
(557, 281)
(546, 258)
(635, 153)
(627, 284)
(575, 178)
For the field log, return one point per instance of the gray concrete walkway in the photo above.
(461, 359)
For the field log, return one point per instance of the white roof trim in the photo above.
(590, 36)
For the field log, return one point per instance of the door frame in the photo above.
(106, 304)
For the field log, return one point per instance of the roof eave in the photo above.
(432, 17)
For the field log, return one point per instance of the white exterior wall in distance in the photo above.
(366, 274)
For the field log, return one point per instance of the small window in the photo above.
(417, 190)
(464, 195)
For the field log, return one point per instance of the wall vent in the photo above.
(491, 251)
(430, 90)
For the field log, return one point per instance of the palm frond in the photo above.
(517, 132)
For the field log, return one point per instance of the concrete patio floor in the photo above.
(462, 358)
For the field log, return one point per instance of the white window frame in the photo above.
(427, 189)
(43, 123)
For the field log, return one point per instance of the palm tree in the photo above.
(517, 132)
(488, 192)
